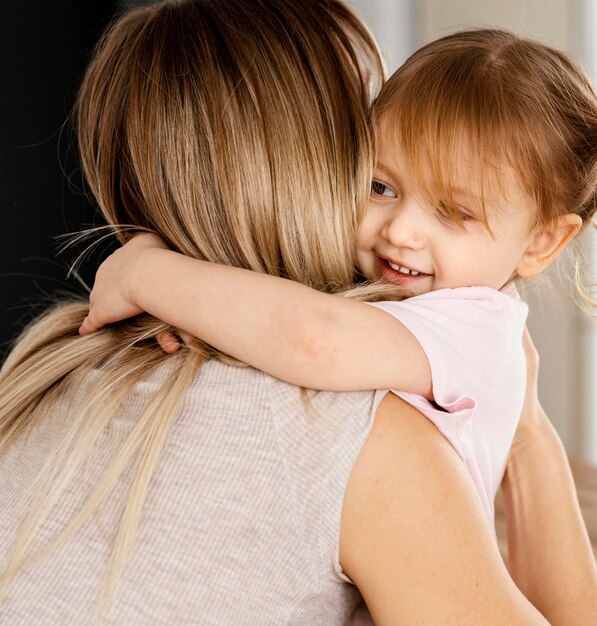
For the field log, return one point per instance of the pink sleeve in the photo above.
(465, 333)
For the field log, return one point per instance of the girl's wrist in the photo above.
(145, 265)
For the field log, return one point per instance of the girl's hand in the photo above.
(112, 298)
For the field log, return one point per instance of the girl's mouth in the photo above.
(399, 274)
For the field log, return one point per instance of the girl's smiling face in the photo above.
(403, 238)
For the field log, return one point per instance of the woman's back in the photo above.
(242, 518)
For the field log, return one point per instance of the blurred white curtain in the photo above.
(395, 25)
(584, 43)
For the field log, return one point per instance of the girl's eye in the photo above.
(380, 189)
(446, 216)
(464, 215)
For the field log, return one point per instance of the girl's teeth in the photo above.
(403, 270)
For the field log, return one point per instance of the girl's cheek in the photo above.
(363, 240)
(368, 231)
(367, 262)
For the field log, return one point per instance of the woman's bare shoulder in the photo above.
(414, 537)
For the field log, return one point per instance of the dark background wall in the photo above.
(44, 47)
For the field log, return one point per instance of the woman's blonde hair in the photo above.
(238, 131)
(509, 101)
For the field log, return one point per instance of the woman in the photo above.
(187, 489)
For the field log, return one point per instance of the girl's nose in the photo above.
(405, 228)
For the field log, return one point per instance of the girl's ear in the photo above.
(548, 244)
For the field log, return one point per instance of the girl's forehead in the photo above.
(463, 167)
(487, 184)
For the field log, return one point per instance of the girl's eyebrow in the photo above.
(385, 169)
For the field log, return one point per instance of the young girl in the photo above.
(486, 169)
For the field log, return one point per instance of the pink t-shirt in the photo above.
(472, 337)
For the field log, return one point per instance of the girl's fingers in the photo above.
(168, 342)
(86, 327)
(186, 338)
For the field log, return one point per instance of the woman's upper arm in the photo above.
(414, 537)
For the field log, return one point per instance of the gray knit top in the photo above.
(241, 524)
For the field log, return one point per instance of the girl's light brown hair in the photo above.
(510, 102)
(238, 131)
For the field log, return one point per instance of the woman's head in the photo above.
(494, 136)
(235, 130)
